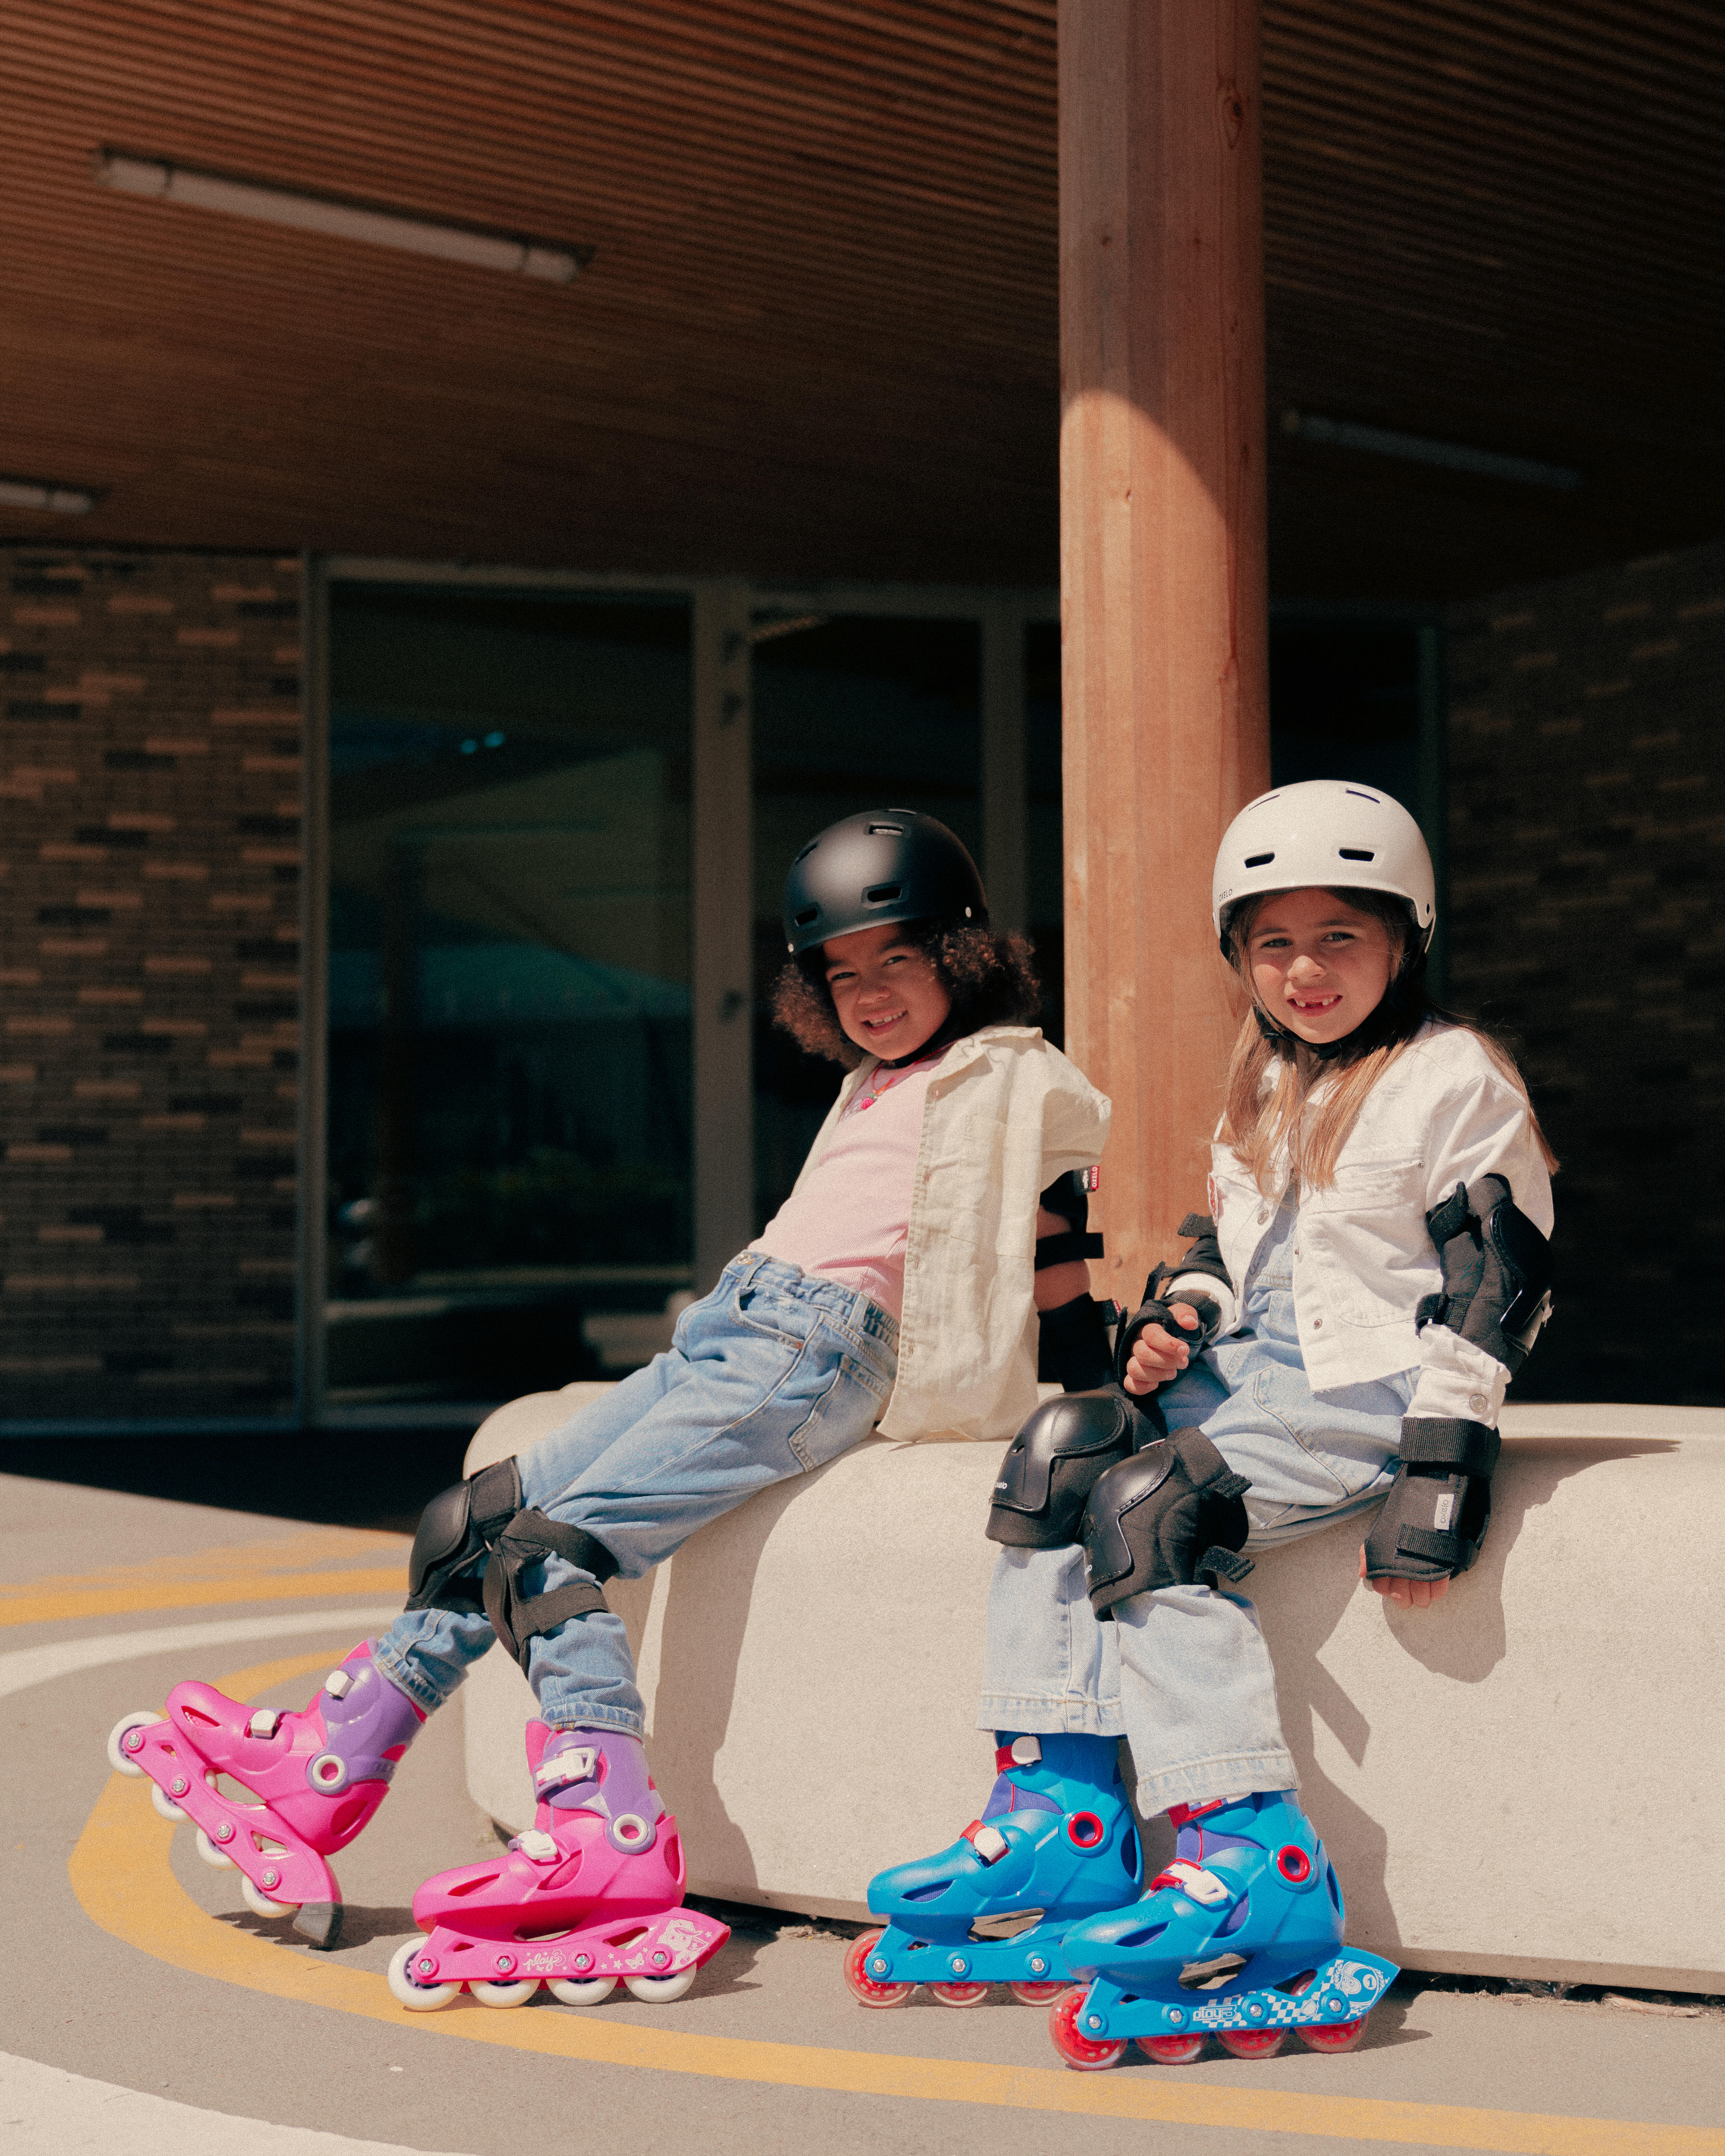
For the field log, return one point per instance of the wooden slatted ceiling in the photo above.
(819, 337)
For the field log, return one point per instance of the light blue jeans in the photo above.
(1182, 1673)
(776, 1372)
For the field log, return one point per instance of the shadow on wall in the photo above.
(1307, 1591)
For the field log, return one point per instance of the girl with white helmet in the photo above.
(1338, 1336)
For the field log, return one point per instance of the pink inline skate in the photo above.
(590, 1892)
(314, 1778)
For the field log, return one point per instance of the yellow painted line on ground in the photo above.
(193, 1594)
(120, 1873)
(279, 1570)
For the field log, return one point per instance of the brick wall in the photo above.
(150, 762)
(1587, 749)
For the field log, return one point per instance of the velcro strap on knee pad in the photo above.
(1169, 1517)
(529, 1538)
(456, 1531)
(1051, 1467)
(1435, 1519)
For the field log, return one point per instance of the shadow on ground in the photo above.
(380, 1479)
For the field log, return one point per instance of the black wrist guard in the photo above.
(1434, 1520)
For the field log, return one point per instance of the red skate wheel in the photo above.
(959, 1994)
(1030, 1994)
(1338, 2036)
(862, 1987)
(1253, 2043)
(1170, 2050)
(1079, 2051)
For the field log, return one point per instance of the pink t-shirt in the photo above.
(849, 1221)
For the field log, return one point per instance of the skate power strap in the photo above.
(529, 1539)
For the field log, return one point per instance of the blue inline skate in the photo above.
(1055, 1842)
(1239, 1938)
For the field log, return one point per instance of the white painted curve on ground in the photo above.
(46, 2111)
(33, 1665)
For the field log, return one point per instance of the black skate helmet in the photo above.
(886, 865)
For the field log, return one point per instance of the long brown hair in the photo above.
(1279, 1099)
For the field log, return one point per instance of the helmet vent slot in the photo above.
(807, 914)
(887, 830)
(1259, 860)
(883, 894)
(806, 851)
(1357, 853)
(1354, 794)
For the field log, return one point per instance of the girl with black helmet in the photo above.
(1338, 1336)
(897, 1285)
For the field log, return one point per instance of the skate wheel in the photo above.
(418, 1998)
(660, 1990)
(1078, 2051)
(862, 1987)
(139, 1719)
(165, 1806)
(504, 1994)
(217, 1859)
(1338, 2036)
(581, 1991)
(1171, 2051)
(1029, 1993)
(1252, 2043)
(959, 1994)
(260, 1903)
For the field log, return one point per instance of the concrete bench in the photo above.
(1525, 1782)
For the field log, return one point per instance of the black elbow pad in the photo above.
(1496, 1290)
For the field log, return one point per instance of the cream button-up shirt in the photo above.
(1005, 1114)
(1442, 1114)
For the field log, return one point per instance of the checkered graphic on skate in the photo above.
(1343, 1989)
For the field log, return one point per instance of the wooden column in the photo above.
(1163, 595)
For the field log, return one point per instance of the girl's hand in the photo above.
(1409, 1593)
(1158, 1354)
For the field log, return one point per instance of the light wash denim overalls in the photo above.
(1184, 1672)
(774, 1372)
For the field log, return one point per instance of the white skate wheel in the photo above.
(140, 1718)
(660, 1990)
(581, 1991)
(260, 1903)
(418, 1998)
(504, 1994)
(165, 1804)
(217, 1859)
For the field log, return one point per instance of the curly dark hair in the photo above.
(988, 974)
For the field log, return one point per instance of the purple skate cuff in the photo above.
(603, 1771)
(368, 1723)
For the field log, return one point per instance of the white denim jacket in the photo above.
(1006, 1113)
(1443, 1113)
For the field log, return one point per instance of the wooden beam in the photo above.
(1165, 688)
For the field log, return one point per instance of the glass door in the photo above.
(509, 1077)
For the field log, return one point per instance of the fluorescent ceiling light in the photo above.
(1421, 450)
(43, 494)
(340, 220)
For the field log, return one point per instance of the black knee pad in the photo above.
(1052, 1466)
(456, 1531)
(1168, 1516)
(528, 1540)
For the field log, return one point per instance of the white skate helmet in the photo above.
(1329, 833)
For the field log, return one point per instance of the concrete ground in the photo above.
(146, 2008)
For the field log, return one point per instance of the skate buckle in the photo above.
(338, 1684)
(1193, 1880)
(537, 1847)
(263, 1723)
(580, 1763)
(988, 1842)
